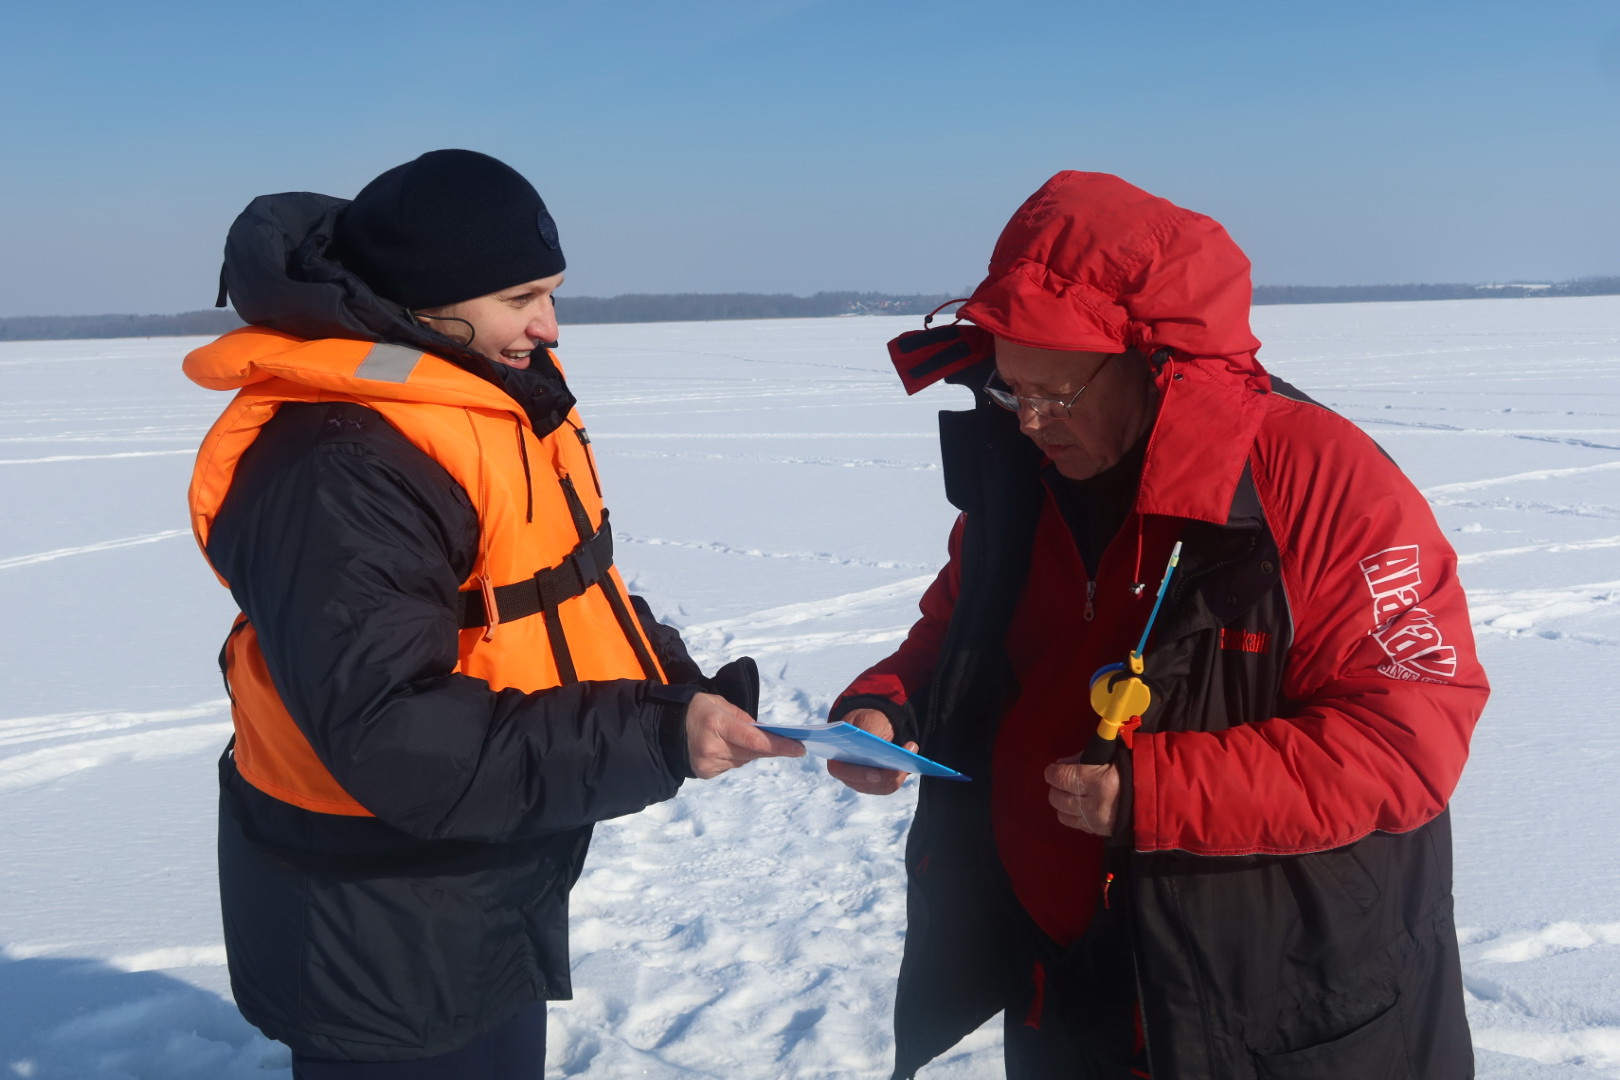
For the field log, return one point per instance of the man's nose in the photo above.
(1030, 421)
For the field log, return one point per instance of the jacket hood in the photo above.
(283, 281)
(1092, 263)
(279, 273)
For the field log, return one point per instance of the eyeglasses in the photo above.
(1051, 408)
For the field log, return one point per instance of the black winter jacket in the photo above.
(413, 932)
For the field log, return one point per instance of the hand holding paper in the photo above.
(720, 737)
(865, 778)
(862, 755)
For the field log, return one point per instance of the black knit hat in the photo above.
(450, 226)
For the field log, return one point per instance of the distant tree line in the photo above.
(73, 327)
(698, 307)
(1351, 294)
(575, 310)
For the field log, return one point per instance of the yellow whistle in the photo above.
(1117, 696)
(1118, 693)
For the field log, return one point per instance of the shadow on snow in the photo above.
(69, 1017)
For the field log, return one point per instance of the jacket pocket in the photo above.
(1376, 1050)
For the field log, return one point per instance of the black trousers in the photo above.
(514, 1051)
(1075, 1041)
(1051, 1054)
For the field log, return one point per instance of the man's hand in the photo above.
(864, 778)
(720, 736)
(1086, 796)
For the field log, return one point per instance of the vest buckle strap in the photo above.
(584, 563)
(585, 566)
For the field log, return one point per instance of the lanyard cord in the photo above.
(1164, 585)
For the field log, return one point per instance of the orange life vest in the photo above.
(543, 564)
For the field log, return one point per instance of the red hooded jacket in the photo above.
(1313, 670)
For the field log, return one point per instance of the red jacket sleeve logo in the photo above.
(1408, 634)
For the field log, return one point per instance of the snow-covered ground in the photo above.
(778, 496)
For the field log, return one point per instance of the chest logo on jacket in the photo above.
(1249, 641)
(1408, 634)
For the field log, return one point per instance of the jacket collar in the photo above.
(1200, 442)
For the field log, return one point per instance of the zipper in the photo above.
(1091, 595)
(576, 509)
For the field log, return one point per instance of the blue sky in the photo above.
(801, 145)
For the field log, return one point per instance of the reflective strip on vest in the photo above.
(388, 363)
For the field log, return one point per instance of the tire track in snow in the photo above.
(147, 434)
(671, 436)
(86, 549)
(718, 548)
(37, 767)
(1585, 510)
(1386, 410)
(749, 407)
(94, 457)
(1593, 1047)
(1550, 939)
(1517, 611)
(1528, 1022)
(1549, 548)
(23, 729)
(709, 354)
(610, 400)
(811, 610)
(742, 641)
(1407, 427)
(1518, 478)
(759, 459)
(1559, 434)
(87, 740)
(751, 633)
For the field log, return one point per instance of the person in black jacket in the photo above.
(438, 682)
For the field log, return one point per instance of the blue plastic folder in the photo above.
(846, 742)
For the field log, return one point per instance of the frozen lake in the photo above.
(779, 496)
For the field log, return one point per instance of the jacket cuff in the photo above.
(1124, 824)
(1143, 823)
(901, 717)
(672, 701)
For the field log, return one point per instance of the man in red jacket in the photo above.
(1260, 884)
